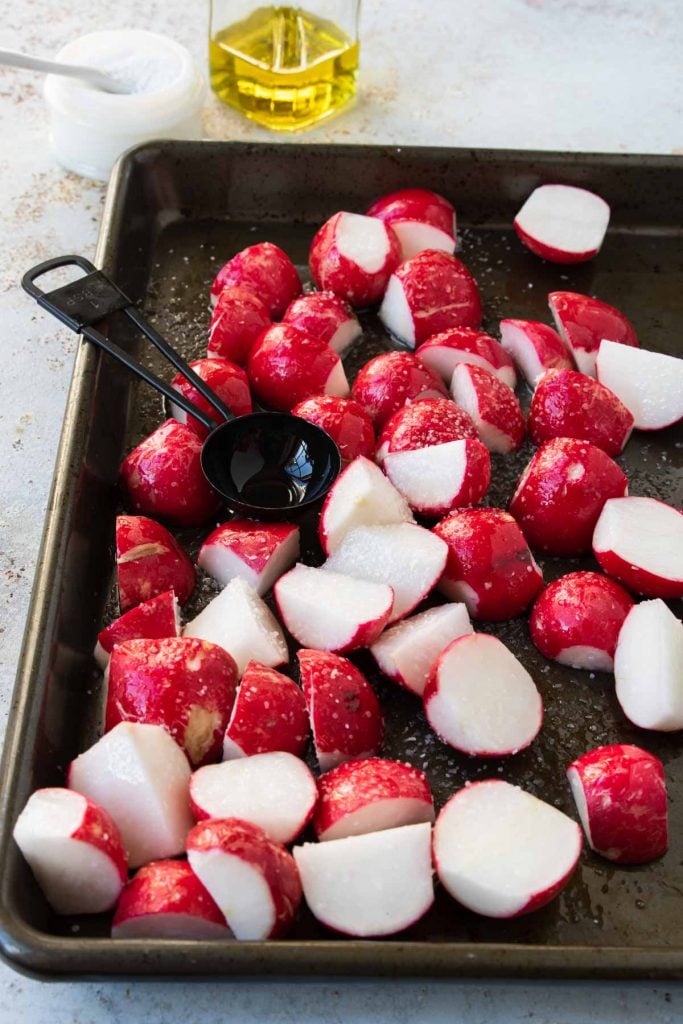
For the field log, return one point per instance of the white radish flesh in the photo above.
(361, 496)
(648, 667)
(408, 650)
(650, 384)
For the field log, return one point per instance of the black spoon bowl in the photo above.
(265, 465)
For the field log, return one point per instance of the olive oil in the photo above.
(284, 67)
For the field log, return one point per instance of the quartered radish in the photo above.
(149, 561)
(324, 315)
(421, 220)
(269, 713)
(494, 409)
(266, 271)
(639, 541)
(570, 404)
(285, 366)
(345, 421)
(562, 223)
(648, 667)
(354, 257)
(258, 553)
(166, 900)
(439, 478)
(227, 380)
(583, 322)
(239, 317)
(424, 424)
(159, 617)
(443, 352)
(650, 384)
(392, 379)
(535, 348)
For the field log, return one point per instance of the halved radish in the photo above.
(392, 379)
(650, 384)
(432, 421)
(562, 223)
(286, 366)
(570, 404)
(421, 219)
(266, 271)
(275, 791)
(407, 651)
(166, 900)
(370, 885)
(324, 315)
(269, 713)
(648, 667)
(502, 852)
(227, 380)
(441, 477)
(149, 561)
(583, 322)
(159, 617)
(639, 541)
(239, 317)
(371, 795)
(345, 421)
(443, 352)
(253, 880)
(408, 558)
(354, 256)
(74, 850)
(620, 794)
(241, 623)
(332, 612)
(481, 700)
(258, 553)
(535, 348)
(494, 409)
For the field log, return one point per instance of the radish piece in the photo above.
(481, 700)
(361, 496)
(561, 493)
(140, 776)
(429, 293)
(620, 794)
(650, 384)
(648, 667)
(346, 718)
(238, 319)
(392, 379)
(639, 541)
(345, 421)
(187, 686)
(354, 256)
(266, 271)
(74, 850)
(577, 618)
(421, 219)
(241, 623)
(570, 404)
(258, 553)
(253, 880)
(324, 315)
(166, 900)
(437, 479)
(535, 348)
(269, 713)
(494, 409)
(149, 561)
(332, 612)
(562, 223)
(370, 885)
(424, 424)
(164, 477)
(159, 617)
(409, 558)
(227, 381)
(489, 566)
(370, 796)
(443, 352)
(275, 791)
(582, 323)
(407, 651)
(502, 852)
(286, 366)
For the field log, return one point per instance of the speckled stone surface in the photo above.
(575, 75)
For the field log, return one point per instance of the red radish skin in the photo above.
(152, 620)
(650, 384)
(492, 405)
(423, 424)
(266, 271)
(443, 352)
(421, 219)
(639, 541)
(541, 849)
(369, 796)
(570, 404)
(577, 619)
(163, 477)
(324, 315)
(582, 323)
(74, 850)
(253, 880)
(489, 565)
(287, 366)
(345, 714)
(166, 900)
(354, 257)
(535, 348)
(390, 380)
(149, 561)
(648, 667)
(442, 477)
(562, 223)
(620, 794)
(187, 686)
(561, 493)
(259, 553)
(239, 318)
(345, 421)
(432, 292)
(269, 714)
(227, 380)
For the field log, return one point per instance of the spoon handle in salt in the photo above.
(15, 59)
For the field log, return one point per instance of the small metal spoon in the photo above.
(98, 79)
(266, 465)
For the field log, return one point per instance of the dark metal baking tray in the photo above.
(175, 212)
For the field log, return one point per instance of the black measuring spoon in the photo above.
(267, 465)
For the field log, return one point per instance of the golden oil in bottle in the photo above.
(284, 67)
